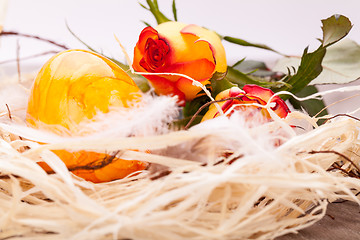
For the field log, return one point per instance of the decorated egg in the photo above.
(73, 87)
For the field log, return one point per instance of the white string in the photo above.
(318, 95)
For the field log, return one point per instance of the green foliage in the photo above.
(236, 76)
(174, 10)
(218, 86)
(310, 67)
(192, 107)
(153, 7)
(240, 79)
(242, 42)
(341, 64)
(254, 68)
(334, 29)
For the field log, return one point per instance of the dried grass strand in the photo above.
(254, 197)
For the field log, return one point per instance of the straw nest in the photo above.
(218, 180)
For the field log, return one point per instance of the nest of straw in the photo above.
(218, 180)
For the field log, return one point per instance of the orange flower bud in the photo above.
(174, 47)
(71, 88)
(251, 94)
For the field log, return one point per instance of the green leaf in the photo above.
(218, 86)
(218, 76)
(240, 79)
(238, 62)
(311, 63)
(140, 81)
(174, 10)
(250, 65)
(242, 42)
(193, 106)
(341, 64)
(310, 67)
(334, 29)
(142, 5)
(219, 83)
(257, 69)
(311, 106)
(146, 23)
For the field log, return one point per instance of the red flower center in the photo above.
(155, 54)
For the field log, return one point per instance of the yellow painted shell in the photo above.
(72, 87)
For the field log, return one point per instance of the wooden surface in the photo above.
(342, 222)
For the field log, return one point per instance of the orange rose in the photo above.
(251, 94)
(72, 87)
(174, 47)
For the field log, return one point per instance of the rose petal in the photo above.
(280, 108)
(163, 86)
(170, 31)
(199, 69)
(155, 56)
(235, 91)
(255, 90)
(139, 49)
(146, 33)
(138, 56)
(196, 49)
(186, 85)
(184, 47)
(216, 45)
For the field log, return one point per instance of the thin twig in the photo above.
(338, 167)
(7, 106)
(13, 33)
(12, 236)
(29, 57)
(339, 154)
(342, 115)
(18, 60)
(330, 216)
(95, 165)
(161, 175)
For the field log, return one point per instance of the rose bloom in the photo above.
(71, 88)
(251, 94)
(174, 47)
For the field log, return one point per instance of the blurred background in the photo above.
(285, 25)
